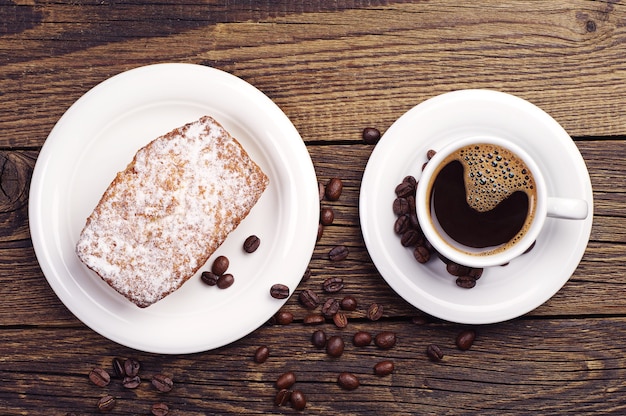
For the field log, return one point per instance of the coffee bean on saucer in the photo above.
(402, 224)
(401, 206)
(334, 187)
(430, 154)
(410, 237)
(279, 291)
(220, 265)
(421, 254)
(251, 244)
(456, 269)
(465, 282)
(371, 135)
(405, 189)
(225, 281)
(465, 339)
(209, 278)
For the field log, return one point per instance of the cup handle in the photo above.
(567, 208)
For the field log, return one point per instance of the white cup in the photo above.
(478, 257)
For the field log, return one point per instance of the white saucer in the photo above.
(502, 293)
(99, 135)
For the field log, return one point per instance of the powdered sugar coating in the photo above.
(169, 210)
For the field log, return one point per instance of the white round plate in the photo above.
(505, 292)
(99, 135)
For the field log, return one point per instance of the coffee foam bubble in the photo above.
(492, 174)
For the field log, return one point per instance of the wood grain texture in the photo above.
(334, 67)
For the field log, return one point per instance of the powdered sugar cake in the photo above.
(164, 215)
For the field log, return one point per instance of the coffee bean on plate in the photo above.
(298, 400)
(327, 216)
(421, 254)
(279, 291)
(402, 224)
(405, 189)
(410, 237)
(338, 253)
(375, 312)
(401, 206)
(385, 340)
(466, 282)
(334, 187)
(362, 339)
(286, 380)
(333, 284)
(309, 299)
(99, 377)
(209, 278)
(465, 339)
(384, 368)
(220, 265)
(349, 303)
(335, 346)
(434, 353)
(318, 339)
(348, 381)
(225, 281)
(251, 244)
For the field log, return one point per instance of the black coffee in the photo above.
(484, 196)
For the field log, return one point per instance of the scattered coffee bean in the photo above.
(220, 265)
(466, 282)
(348, 381)
(335, 346)
(286, 380)
(334, 187)
(309, 299)
(322, 190)
(99, 377)
(261, 354)
(160, 409)
(338, 253)
(465, 339)
(306, 275)
(279, 291)
(371, 135)
(131, 382)
(384, 368)
(327, 216)
(349, 303)
(330, 308)
(298, 400)
(118, 368)
(320, 231)
(419, 320)
(385, 340)
(434, 353)
(209, 278)
(162, 383)
(284, 317)
(362, 339)
(314, 319)
(131, 367)
(340, 320)
(225, 281)
(375, 312)
(251, 244)
(333, 284)
(401, 206)
(282, 397)
(318, 339)
(106, 403)
(421, 254)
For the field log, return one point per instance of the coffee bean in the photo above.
(160, 409)
(348, 303)
(410, 179)
(405, 189)
(106, 403)
(322, 190)
(99, 377)
(475, 273)
(333, 284)
(421, 254)
(340, 320)
(330, 308)
(327, 216)
(279, 291)
(338, 253)
(320, 231)
(131, 382)
(466, 282)
(131, 367)
(306, 275)
(401, 206)
(456, 269)
(371, 135)
(410, 237)
(402, 224)
(209, 278)
(118, 368)
(318, 339)
(220, 265)
(530, 248)
(309, 299)
(284, 317)
(384, 368)
(333, 189)
(465, 339)
(362, 339)
(251, 244)
(286, 380)
(225, 281)
(385, 340)
(419, 320)
(348, 381)
(298, 400)
(335, 346)
(314, 319)
(375, 312)
(434, 353)
(430, 154)
(282, 397)
(162, 383)
(261, 354)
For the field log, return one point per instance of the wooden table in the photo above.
(334, 68)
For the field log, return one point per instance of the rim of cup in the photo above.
(467, 256)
